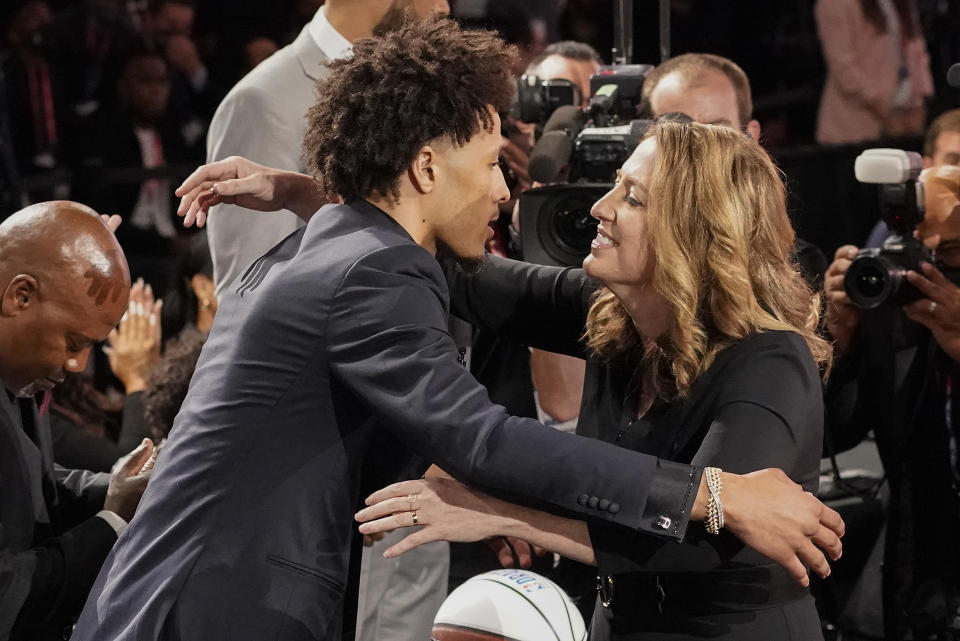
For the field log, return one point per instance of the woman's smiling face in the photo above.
(622, 253)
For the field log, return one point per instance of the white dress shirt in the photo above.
(331, 42)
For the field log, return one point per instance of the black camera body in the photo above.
(556, 227)
(877, 276)
(537, 99)
(582, 152)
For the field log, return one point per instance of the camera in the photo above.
(578, 154)
(877, 276)
(537, 99)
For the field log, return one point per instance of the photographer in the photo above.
(897, 374)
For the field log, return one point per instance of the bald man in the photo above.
(64, 285)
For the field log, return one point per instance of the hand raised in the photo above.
(239, 181)
(133, 348)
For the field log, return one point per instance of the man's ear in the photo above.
(423, 170)
(753, 129)
(19, 294)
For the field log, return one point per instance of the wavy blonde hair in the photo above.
(723, 252)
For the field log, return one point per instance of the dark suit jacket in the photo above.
(893, 381)
(51, 544)
(329, 354)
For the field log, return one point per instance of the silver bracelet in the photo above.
(714, 521)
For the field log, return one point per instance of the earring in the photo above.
(205, 304)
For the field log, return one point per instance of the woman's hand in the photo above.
(445, 510)
(133, 348)
(236, 180)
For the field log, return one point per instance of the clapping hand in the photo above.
(134, 347)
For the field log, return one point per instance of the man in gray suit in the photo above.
(331, 357)
(263, 118)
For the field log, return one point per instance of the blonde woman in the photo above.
(701, 348)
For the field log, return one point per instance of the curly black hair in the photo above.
(169, 381)
(428, 80)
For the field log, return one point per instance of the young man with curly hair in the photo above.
(330, 365)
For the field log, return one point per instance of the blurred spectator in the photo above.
(256, 50)
(81, 41)
(190, 303)
(517, 25)
(589, 21)
(91, 431)
(878, 71)
(32, 89)
(118, 144)
(194, 92)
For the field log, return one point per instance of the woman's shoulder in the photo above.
(763, 359)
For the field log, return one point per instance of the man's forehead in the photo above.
(947, 142)
(705, 95)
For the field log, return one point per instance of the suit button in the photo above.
(603, 504)
(663, 522)
(614, 508)
(593, 501)
(582, 499)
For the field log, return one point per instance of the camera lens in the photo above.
(568, 228)
(869, 281)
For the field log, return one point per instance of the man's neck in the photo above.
(409, 215)
(353, 20)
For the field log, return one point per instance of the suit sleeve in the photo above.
(80, 494)
(388, 342)
(535, 305)
(246, 124)
(50, 582)
(848, 419)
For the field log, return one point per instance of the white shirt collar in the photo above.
(331, 43)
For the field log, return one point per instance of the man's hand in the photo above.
(843, 316)
(774, 516)
(239, 181)
(939, 311)
(134, 347)
(129, 480)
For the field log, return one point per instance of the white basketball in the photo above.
(513, 604)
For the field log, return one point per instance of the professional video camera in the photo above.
(578, 154)
(878, 276)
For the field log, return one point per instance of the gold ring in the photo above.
(416, 521)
